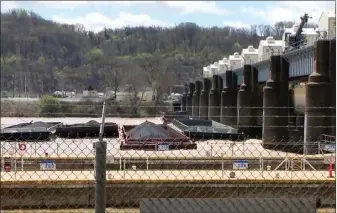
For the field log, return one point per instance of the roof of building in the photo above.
(270, 41)
(249, 50)
(235, 57)
(206, 68)
(332, 13)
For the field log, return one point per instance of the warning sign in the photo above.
(22, 147)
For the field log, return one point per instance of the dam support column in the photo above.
(189, 99)
(271, 134)
(184, 98)
(234, 99)
(203, 106)
(225, 99)
(256, 104)
(332, 75)
(214, 100)
(283, 119)
(228, 101)
(244, 102)
(196, 100)
(317, 99)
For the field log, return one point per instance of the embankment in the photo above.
(81, 109)
(126, 194)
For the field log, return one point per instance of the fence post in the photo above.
(100, 176)
(222, 164)
(100, 168)
(120, 163)
(21, 162)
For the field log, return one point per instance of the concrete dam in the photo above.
(289, 100)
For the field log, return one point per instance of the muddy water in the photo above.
(84, 147)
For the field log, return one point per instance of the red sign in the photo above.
(7, 168)
(22, 146)
(7, 164)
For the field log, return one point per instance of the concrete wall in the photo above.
(129, 195)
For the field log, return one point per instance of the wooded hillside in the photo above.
(53, 56)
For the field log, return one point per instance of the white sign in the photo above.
(163, 147)
(47, 165)
(240, 164)
(329, 147)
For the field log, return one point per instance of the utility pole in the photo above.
(13, 76)
(26, 85)
(17, 63)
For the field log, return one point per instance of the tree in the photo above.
(49, 106)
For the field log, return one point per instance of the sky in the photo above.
(95, 15)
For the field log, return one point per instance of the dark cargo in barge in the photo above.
(33, 131)
(86, 130)
(152, 137)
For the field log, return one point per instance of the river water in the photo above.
(84, 147)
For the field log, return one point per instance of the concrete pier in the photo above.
(184, 98)
(332, 75)
(271, 134)
(318, 98)
(256, 104)
(204, 98)
(196, 99)
(228, 103)
(214, 100)
(283, 119)
(244, 102)
(191, 88)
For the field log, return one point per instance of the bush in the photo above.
(19, 108)
(50, 106)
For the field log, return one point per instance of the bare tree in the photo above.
(135, 77)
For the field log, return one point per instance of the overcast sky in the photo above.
(95, 15)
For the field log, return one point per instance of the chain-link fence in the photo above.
(51, 164)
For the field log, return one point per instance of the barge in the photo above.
(153, 137)
(32, 131)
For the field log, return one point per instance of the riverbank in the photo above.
(10, 108)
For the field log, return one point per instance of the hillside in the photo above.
(53, 56)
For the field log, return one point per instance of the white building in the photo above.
(207, 72)
(310, 35)
(269, 47)
(249, 55)
(234, 61)
(223, 65)
(214, 68)
(327, 24)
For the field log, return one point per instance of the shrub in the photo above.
(50, 106)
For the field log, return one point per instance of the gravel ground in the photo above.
(111, 210)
